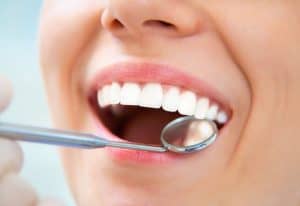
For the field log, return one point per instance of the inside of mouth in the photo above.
(136, 124)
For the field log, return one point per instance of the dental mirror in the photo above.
(182, 135)
(188, 134)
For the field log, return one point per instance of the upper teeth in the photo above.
(154, 95)
(130, 94)
(187, 103)
(151, 96)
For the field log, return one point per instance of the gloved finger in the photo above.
(14, 191)
(11, 157)
(6, 93)
(50, 202)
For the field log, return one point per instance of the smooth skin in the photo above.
(14, 190)
(249, 48)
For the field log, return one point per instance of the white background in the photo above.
(19, 62)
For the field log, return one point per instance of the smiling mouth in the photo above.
(133, 102)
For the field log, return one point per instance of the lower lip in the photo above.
(136, 156)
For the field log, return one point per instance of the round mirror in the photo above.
(188, 134)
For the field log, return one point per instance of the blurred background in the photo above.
(19, 62)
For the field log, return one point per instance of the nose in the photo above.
(141, 17)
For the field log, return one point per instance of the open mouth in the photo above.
(134, 107)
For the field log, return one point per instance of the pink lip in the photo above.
(148, 72)
(135, 156)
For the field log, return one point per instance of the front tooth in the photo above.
(187, 103)
(103, 96)
(222, 117)
(212, 112)
(151, 95)
(130, 93)
(171, 99)
(202, 108)
(114, 93)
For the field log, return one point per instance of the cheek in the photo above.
(64, 31)
(63, 36)
(263, 44)
(266, 46)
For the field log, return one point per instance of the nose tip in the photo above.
(155, 16)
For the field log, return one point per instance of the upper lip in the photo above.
(160, 73)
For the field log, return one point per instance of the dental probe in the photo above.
(82, 140)
(66, 138)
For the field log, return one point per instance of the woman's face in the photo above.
(242, 56)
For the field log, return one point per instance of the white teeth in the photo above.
(103, 96)
(187, 103)
(171, 99)
(154, 95)
(222, 117)
(202, 108)
(114, 93)
(151, 96)
(130, 94)
(212, 112)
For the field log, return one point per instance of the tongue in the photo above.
(145, 126)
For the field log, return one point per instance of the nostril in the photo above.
(159, 24)
(116, 24)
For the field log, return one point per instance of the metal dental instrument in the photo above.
(188, 134)
(179, 136)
